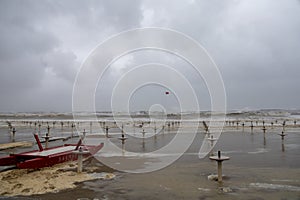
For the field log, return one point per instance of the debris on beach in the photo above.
(225, 189)
(103, 176)
(212, 177)
(204, 189)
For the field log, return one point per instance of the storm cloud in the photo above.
(255, 44)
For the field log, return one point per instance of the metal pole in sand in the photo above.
(283, 126)
(72, 133)
(282, 146)
(143, 143)
(91, 126)
(143, 132)
(83, 134)
(9, 125)
(79, 169)
(206, 128)
(282, 135)
(80, 152)
(264, 130)
(13, 132)
(272, 125)
(155, 132)
(212, 139)
(219, 159)
(106, 131)
(48, 129)
(47, 137)
(123, 139)
(265, 141)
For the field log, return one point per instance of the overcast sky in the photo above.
(255, 44)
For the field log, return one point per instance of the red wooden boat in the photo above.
(47, 157)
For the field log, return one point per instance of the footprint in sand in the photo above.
(18, 185)
(54, 176)
(52, 187)
(26, 190)
(5, 193)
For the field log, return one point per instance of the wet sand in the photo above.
(261, 167)
(15, 145)
(257, 170)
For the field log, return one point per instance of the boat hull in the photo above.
(36, 159)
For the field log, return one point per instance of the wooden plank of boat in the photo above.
(15, 144)
(48, 152)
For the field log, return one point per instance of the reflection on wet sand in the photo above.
(262, 165)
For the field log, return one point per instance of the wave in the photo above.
(240, 114)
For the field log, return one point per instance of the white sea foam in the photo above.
(275, 187)
(285, 180)
(204, 189)
(259, 150)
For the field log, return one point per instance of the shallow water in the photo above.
(261, 166)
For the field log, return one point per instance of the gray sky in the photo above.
(255, 43)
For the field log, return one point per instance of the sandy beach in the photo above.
(261, 166)
(27, 182)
